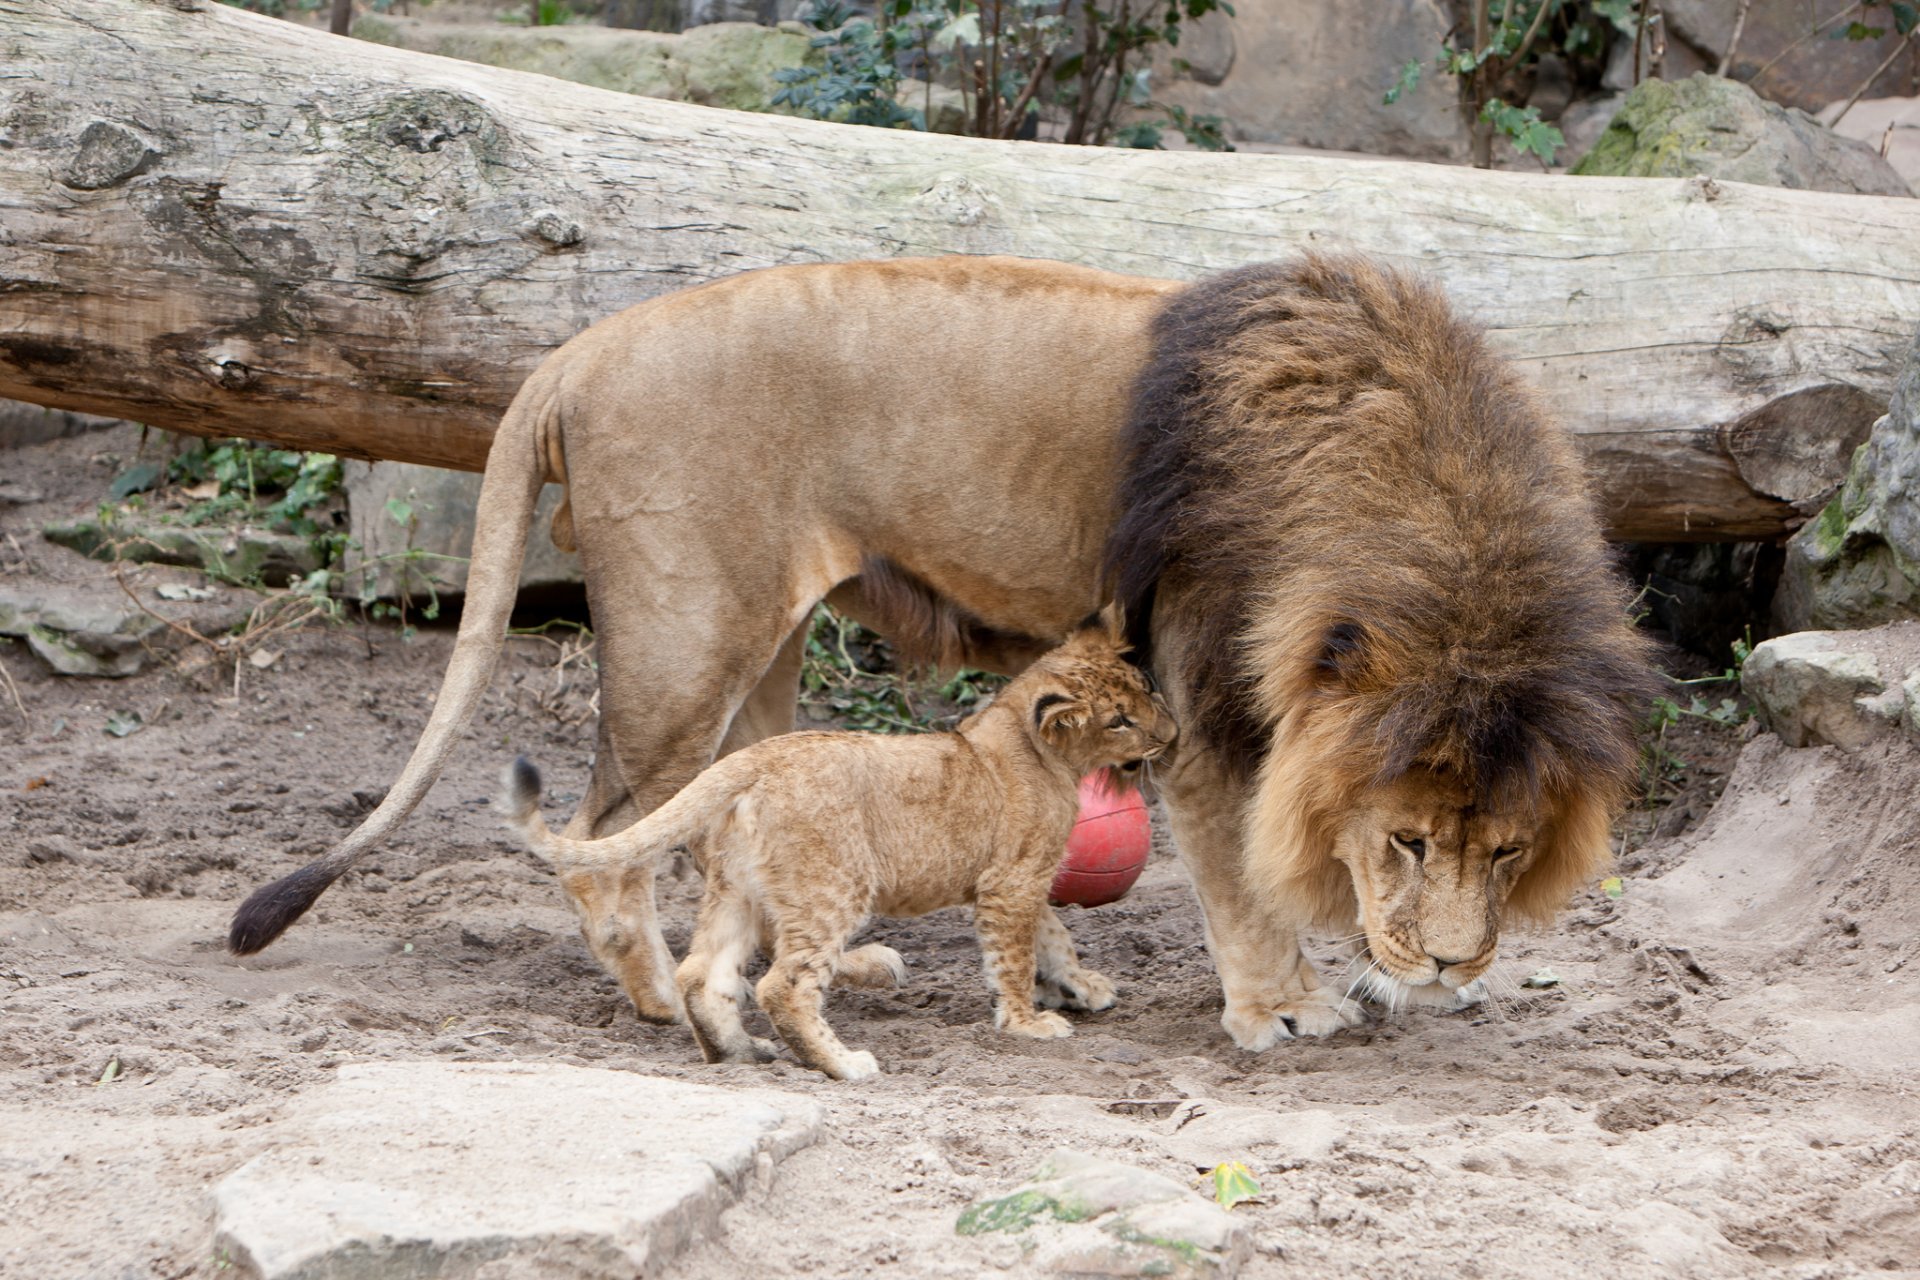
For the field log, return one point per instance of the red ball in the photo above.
(1108, 847)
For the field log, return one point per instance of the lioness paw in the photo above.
(1084, 992)
(1038, 1025)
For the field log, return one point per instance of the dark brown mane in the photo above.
(1354, 506)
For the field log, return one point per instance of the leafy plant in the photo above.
(1080, 66)
(851, 675)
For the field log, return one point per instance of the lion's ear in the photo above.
(1575, 846)
(1114, 619)
(1342, 649)
(1055, 714)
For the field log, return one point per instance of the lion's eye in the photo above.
(1506, 851)
(1415, 845)
(1120, 722)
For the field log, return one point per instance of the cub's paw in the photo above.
(872, 966)
(764, 1050)
(1037, 1025)
(1082, 991)
(1319, 1013)
(855, 1064)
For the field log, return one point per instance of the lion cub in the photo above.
(804, 836)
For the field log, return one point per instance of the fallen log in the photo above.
(225, 224)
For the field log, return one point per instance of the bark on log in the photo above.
(220, 223)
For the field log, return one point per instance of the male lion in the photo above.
(1358, 558)
(803, 837)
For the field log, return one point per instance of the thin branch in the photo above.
(1774, 61)
(1533, 29)
(1019, 111)
(1733, 41)
(1878, 71)
(13, 691)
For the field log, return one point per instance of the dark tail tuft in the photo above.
(266, 914)
(519, 791)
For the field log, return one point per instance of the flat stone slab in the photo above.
(1081, 1215)
(469, 1170)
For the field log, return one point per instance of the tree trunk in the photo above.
(220, 223)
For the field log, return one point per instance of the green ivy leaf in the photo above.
(1233, 1183)
(1409, 77)
(1612, 887)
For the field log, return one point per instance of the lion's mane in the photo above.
(1382, 556)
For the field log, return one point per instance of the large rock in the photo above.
(1081, 1215)
(427, 1169)
(729, 64)
(242, 554)
(1894, 122)
(96, 630)
(24, 424)
(1845, 689)
(1716, 128)
(1811, 75)
(1295, 72)
(412, 530)
(1857, 563)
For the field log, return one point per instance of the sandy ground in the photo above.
(1722, 1083)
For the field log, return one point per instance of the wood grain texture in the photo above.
(220, 223)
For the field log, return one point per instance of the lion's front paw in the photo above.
(1440, 998)
(1083, 991)
(1318, 1013)
(1035, 1024)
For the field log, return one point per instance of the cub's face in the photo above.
(1431, 871)
(1096, 710)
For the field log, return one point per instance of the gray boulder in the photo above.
(1845, 689)
(1717, 128)
(1857, 563)
(1081, 1215)
(412, 530)
(95, 630)
(1811, 73)
(1293, 72)
(483, 1169)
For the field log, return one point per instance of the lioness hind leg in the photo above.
(616, 908)
(1060, 981)
(647, 751)
(710, 977)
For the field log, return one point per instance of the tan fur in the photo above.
(942, 447)
(803, 837)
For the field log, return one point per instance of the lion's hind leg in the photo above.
(1060, 980)
(710, 979)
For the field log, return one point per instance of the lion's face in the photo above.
(1431, 872)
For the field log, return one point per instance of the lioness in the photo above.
(803, 837)
(1358, 558)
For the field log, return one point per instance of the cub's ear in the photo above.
(1109, 623)
(1055, 714)
(1342, 650)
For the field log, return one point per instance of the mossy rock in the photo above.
(725, 64)
(1707, 126)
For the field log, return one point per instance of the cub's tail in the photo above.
(684, 822)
